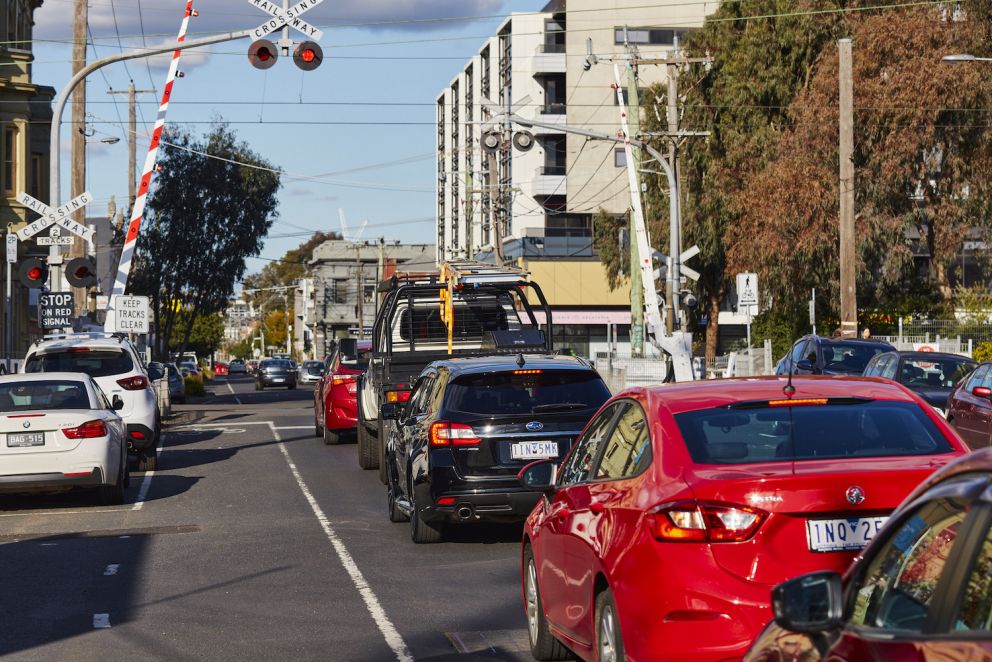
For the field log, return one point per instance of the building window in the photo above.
(339, 290)
(10, 160)
(555, 158)
(620, 158)
(554, 36)
(652, 36)
(37, 177)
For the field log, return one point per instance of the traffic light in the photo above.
(81, 272)
(262, 54)
(308, 55)
(33, 272)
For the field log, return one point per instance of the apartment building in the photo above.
(538, 204)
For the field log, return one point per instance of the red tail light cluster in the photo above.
(338, 380)
(136, 383)
(704, 521)
(445, 433)
(397, 396)
(88, 430)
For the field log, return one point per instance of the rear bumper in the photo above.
(147, 435)
(284, 381)
(502, 504)
(25, 482)
(341, 414)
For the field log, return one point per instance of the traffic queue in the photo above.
(788, 517)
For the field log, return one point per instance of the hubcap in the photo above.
(531, 597)
(607, 636)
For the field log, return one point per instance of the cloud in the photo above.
(159, 20)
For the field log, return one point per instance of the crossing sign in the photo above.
(747, 293)
(286, 17)
(54, 238)
(58, 216)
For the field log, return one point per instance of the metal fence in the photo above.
(926, 331)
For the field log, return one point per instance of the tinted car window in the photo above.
(976, 608)
(628, 450)
(34, 395)
(579, 464)
(95, 363)
(768, 434)
(846, 356)
(527, 392)
(939, 373)
(899, 584)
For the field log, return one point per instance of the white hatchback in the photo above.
(58, 431)
(115, 365)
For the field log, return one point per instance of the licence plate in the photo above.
(25, 440)
(534, 450)
(841, 535)
(278, 379)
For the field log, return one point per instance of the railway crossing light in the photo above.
(308, 55)
(491, 141)
(262, 54)
(33, 272)
(81, 272)
(523, 140)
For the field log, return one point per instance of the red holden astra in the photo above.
(680, 507)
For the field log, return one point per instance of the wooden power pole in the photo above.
(848, 258)
(78, 183)
(132, 141)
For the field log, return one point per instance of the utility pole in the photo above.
(78, 183)
(495, 201)
(848, 293)
(672, 282)
(636, 286)
(132, 169)
(359, 288)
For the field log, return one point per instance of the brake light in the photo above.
(78, 350)
(797, 402)
(88, 430)
(982, 391)
(446, 501)
(338, 380)
(703, 521)
(397, 396)
(445, 433)
(527, 372)
(137, 435)
(136, 383)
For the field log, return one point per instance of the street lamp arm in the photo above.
(55, 169)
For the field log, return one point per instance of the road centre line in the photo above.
(389, 632)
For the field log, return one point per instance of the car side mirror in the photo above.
(538, 476)
(804, 364)
(391, 411)
(117, 403)
(155, 373)
(982, 391)
(809, 604)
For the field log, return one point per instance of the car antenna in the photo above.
(520, 360)
(789, 389)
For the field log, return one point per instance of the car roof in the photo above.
(857, 341)
(934, 355)
(56, 344)
(705, 394)
(45, 377)
(479, 364)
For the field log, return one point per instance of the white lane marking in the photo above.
(111, 569)
(389, 632)
(101, 620)
(143, 491)
(294, 427)
(236, 398)
(124, 537)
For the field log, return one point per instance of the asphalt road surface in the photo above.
(252, 541)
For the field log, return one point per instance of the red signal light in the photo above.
(308, 55)
(34, 273)
(263, 54)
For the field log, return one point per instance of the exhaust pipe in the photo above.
(465, 512)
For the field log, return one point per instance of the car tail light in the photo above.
(397, 396)
(446, 501)
(704, 521)
(445, 433)
(136, 383)
(137, 435)
(798, 402)
(982, 391)
(88, 430)
(338, 380)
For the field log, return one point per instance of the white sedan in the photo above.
(57, 431)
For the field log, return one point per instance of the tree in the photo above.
(274, 326)
(213, 203)
(206, 334)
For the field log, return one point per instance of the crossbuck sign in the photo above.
(286, 17)
(59, 216)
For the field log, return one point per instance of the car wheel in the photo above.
(381, 450)
(113, 495)
(392, 508)
(422, 532)
(317, 430)
(543, 645)
(332, 437)
(368, 453)
(609, 642)
(147, 460)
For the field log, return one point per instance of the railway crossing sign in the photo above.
(286, 17)
(59, 216)
(54, 238)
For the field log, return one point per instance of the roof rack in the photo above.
(407, 278)
(474, 273)
(83, 334)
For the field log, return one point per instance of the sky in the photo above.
(357, 132)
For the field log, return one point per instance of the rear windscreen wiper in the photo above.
(560, 406)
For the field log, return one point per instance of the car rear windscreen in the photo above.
(527, 392)
(35, 395)
(95, 363)
(851, 358)
(936, 373)
(873, 428)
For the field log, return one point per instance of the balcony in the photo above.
(553, 109)
(549, 180)
(549, 59)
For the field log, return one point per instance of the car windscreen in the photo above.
(856, 428)
(102, 362)
(848, 357)
(527, 392)
(942, 373)
(35, 395)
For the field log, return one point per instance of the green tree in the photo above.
(206, 334)
(286, 271)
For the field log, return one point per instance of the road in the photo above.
(253, 540)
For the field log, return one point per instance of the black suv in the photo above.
(815, 355)
(469, 427)
(275, 372)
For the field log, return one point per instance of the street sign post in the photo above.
(131, 314)
(11, 248)
(55, 310)
(8, 329)
(747, 298)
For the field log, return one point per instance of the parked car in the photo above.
(932, 375)
(471, 425)
(275, 372)
(220, 369)
(191, 370)
(335, 405)
(116, 367)
(309, 372)
(816, 355)
(177, 385)
(969, 407)
(920, 590)
(237, 366)
(60, 431)
(681, 506)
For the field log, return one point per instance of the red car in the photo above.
(220, 369)
(681, 506)
(919, 591)
(335, 405)
(969, 407)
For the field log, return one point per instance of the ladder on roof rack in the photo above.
(82, 334)
(470, 273)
